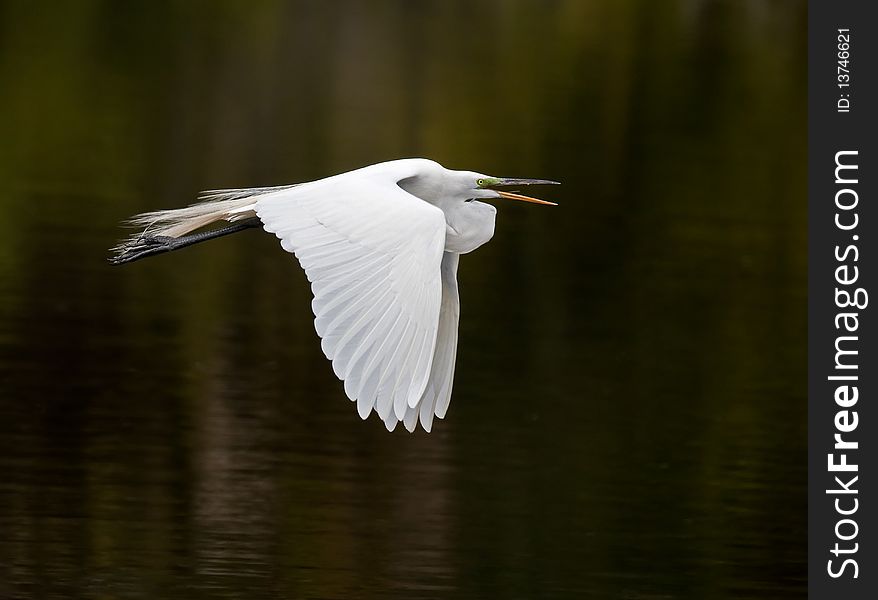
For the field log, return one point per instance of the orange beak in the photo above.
(512, 196)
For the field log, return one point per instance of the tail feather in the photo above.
(216, 205)
(180, 221)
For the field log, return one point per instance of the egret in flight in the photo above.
(380, 246)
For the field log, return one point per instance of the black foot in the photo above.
(148, 245)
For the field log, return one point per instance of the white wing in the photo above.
(437, 394)
(372, 253)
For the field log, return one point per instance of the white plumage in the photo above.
(380, 247)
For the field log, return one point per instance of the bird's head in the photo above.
(443, 187)
(479, 186)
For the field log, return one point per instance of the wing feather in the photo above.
(437, 394)
(373, 254)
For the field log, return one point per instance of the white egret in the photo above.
(380, 246)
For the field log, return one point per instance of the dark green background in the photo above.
(629, 410)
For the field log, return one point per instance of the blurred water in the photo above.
(628, 417)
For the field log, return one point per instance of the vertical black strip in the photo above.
(843, 299)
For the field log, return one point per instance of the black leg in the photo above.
(150, 245)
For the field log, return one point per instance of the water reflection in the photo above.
(628, 413)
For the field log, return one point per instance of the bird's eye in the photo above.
(480, 182)
(469, 200)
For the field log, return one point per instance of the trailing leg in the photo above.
(149, 245)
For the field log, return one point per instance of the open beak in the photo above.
(512, 196)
